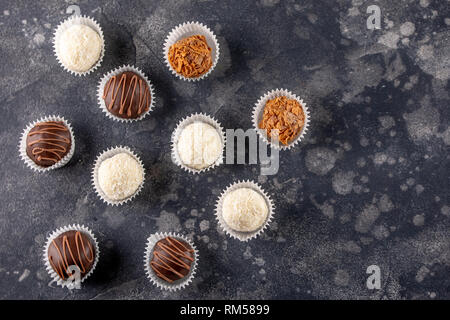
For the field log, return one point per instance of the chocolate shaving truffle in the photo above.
(48, 142)
(191, 57)
(285, 115)
(127, 95)
(172, 259)
(71, 248)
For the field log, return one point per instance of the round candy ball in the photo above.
(244, 210)
(79, 48)
(120, 176)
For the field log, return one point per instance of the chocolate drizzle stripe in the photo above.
(174, 255)
(144, 93)
(62, 268)
(48, 129)
(165, 266)
(146, 96)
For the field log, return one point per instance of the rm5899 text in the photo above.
(243, 309)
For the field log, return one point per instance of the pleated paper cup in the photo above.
(54, 235)
(115, 72)
(23, 145)
(186, 30)
(106, 155)
(196, 117)
(77, 20)
(258, 116)
(160, 283)
(244, 236)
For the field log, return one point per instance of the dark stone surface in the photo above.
(369, 184)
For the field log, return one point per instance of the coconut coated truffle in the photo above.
(120, 176)
(244, 210)
(199, 145)
(79, 48)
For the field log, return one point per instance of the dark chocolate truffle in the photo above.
(48, 142)
(71, 248)
(127, 95)
(172, 259)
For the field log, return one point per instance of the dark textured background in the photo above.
(369, 184)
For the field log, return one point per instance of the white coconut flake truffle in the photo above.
(199, 145)
(244, 210)
(79, 47)
(120, 176)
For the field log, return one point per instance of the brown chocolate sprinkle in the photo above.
(284, 114)
(191, 57)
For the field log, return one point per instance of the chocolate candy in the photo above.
(127, 95)
(71, 248)
(48, 142)
(172, 259)
(191, 57)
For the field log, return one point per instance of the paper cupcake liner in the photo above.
(104, 80)
(106, 155)
(23, 145)
(76, 20)
(188, 29)
(196, 117)
(243, 236)
(160, 283)
(51, 237)
(258, 114)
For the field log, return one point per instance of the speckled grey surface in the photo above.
(369, 185)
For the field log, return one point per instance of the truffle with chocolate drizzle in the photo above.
(48, 142)
(127, 95)
(172, 259)
(71, 248)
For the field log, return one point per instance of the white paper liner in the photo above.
(196, 117)
(23, 145)
(104, 80)
(160, 283)
(258, 114)
(76, 20)
(243, 236)
(106, 155)
(188, 29)
(56, 233)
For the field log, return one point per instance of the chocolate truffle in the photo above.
(191, 57)
(244, 210)
(199, 145)
(285, 115)
(172, 259)
(71, 248)
(80, 47)
(120, 176)
(48, 142)
(127, 95)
